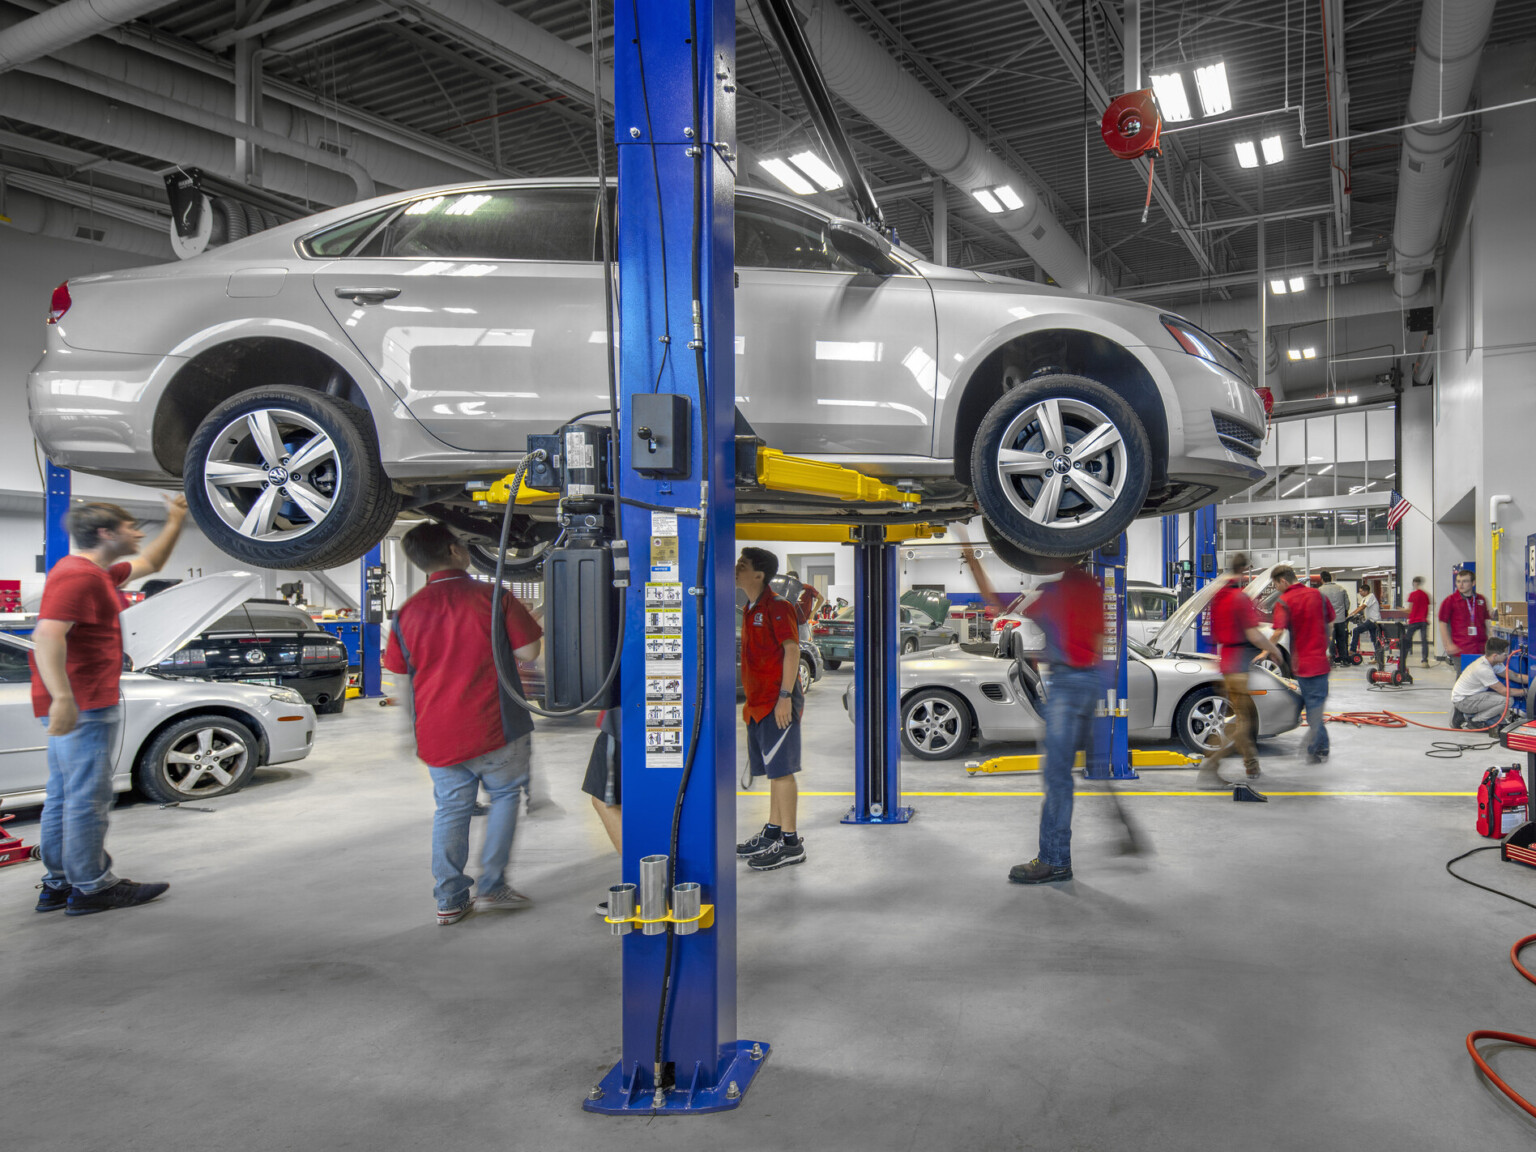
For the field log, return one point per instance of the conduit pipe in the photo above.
(1451, 38)
(66, 24)
(1349, 300)
(41, 216)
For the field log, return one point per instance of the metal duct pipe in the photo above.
(1348, 300)
(66, 24)
(1451, 38)
(64, 108)
(42, 216)
(202, 118)
(865, 75)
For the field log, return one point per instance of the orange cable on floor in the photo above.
(1505, 1037)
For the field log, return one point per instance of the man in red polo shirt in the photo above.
(1418, 620)
(468, 729)
(770, 666)
(1309, 618)
(1235, 627)
(1464, 620)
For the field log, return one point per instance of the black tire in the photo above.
(528, 545)
(943, 719)
(363, 504)
(1194, 717)
(1122, 473)
(1018, 559)
(168, 781)
(909, 645)
(807, 675)
(832, 665)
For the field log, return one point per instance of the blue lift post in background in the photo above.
(662, 326)
(372, 598)
(55, 505)
(877, 680)
(1202, 543)
(1170, 527)
(1109, 752)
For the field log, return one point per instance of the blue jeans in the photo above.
(74, 825)
(1071, 694)
(504, 773)
(1369, 628)
(1314, 694)
(1422, 627)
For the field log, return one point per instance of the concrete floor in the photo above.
(1296, 975)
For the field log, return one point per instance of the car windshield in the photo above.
(1140, 649)
(844, 613)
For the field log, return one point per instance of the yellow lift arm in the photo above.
(833, 533)
(1153, 758)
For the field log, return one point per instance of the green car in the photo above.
(922, 621)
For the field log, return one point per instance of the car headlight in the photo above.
(1198, 342)
(286, 696)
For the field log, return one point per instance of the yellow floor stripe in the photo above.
(1216, 793)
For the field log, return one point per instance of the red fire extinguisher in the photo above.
(1502, 803)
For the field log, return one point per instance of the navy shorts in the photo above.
(773, 751)
(604, 778)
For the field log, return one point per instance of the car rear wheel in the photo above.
(528, 544)
(283, 477)
(832, 665)
(909, 645)
(1202, 720)
(935, 724)
(806, 675)
(198, 758)
(1061, 465)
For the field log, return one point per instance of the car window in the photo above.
(497, 224)
(771, 235)
(13, 664)
(338, 240)
(257, 617)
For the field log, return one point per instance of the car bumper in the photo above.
(288, 740)
(1201, 466)
(835, 649)
(94, 411)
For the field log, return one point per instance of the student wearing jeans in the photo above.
(469, 730)
(1235, 628)
(1418, 621)
(1309, 618)
(1367, 616)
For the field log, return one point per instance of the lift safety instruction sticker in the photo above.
(664, 679)
(664, 564)
(1111, 618)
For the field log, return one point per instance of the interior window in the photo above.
(13, 664)
(336, 241)
(498, 224)
(770, 235)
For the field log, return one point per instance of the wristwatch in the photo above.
(783, 695)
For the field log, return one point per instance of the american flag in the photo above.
(1397, 509)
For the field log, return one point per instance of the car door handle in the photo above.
(367, 295)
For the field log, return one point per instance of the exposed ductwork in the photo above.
(1451, 38)
(41, 216)
(1345, 302)
(66, 24)
(864, 74)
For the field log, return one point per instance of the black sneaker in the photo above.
(52, 899)
(1457, 719)
(756, 846)
(1036, 872)
(123, 894)
(778, 855)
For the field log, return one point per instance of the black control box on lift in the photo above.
(659, 433)
(584, 575)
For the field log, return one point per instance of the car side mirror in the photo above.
(861, 246)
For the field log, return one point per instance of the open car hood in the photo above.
(154, 628)
(934, 605)
(1185, 617)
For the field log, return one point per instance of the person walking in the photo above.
(76, 662)
(1339, 599)
(1070, 613)
(1418, 620)
(1482, 693)
(807, 599)
(1235, 627)
(770, 666)
(1463, 620)
(1308, 617)
(1368, 611)
(469, 730)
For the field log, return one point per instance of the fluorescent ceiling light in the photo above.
(1009, 197)
(1354, 399)
(1293, 354)
(1172, 101)
(1274, 152)
(1277, 287)
(1247, 155)
(787, 176)
(1338, 400)
(1211, 81)
(988, 201)
(1309, 353)
(818, 170)
(1298, 283)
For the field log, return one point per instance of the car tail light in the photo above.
(820, 630)
(315, 653)
(59, 304)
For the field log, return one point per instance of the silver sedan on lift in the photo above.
(971, 692)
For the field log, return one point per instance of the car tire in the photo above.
(935, 724)
(1199, 714)
(331, 515)
(807, 675)
(1020, 560)
(197, 758)
(909, 645)
(1032, 488)
(528, 545)
(832, 665)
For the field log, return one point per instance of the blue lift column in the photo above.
(369, 652)
(1202, 543)
(876, 686)
(55, 505)
(662, 66)
(1170, 527)
(1109, 752)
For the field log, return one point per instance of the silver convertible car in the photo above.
(971, 692)
(181, 739)
(306, 384)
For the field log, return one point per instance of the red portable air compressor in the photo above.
(1392, 670)
(1502, 802)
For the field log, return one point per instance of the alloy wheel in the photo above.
(272, 474)
(1062, 463)
(205, 760)
(1208, 721)
(933, 725)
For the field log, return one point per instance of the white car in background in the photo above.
(181, 739)
(1148, 606)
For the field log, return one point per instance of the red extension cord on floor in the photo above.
(1505, 1037)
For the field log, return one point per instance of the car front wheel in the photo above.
(1202, 720)
(284, 477)
(935, 724)
(198, 758)
(1061, 465)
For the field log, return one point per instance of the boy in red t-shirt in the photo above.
(1418, 619)
(1235, 627)
(76, 661)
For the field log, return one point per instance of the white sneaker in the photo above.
(508, 898)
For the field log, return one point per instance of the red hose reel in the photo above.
(1132, 127)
